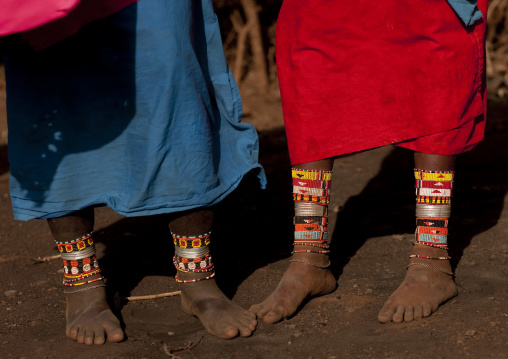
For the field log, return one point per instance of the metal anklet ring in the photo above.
(83, 289)
(430, 266)
(311, 264)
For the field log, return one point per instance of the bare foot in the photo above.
(89, 318)
(422, 291)
(220, 316)
(300, 281)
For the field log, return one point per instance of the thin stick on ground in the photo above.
(153, 296)
(45, 259)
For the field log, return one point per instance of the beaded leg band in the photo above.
(433, 207)
(79, 260)
(311, 195)
(192, 255)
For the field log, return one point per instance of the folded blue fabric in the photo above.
(467, 10)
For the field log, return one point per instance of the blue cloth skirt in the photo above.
(137, 111)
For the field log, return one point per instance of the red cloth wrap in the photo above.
(356, 75)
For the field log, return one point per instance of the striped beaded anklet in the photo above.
(80, 262)
(311, 196)
(192, 255)
(433, 208)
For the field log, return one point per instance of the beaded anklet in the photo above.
(194, 280)
(427, 257)
(430, 266)
(85, 289)
(192, 255)
(433, 208)
(67, 284)
(430, 245)
(311, 264)
(79, 261)
(311, 196)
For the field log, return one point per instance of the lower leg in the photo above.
(200, 295)
(89, 318)
(429, 280)
(308, 274)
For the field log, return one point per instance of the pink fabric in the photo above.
(45, 22)
(22, 15)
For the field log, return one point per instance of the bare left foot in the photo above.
(423, 289)
(219, 315)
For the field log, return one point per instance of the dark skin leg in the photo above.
(301, 280)
(423, 289)
(89, 318)
(203, 299)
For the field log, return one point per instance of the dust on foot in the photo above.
(301, 281)
(90, 320)
(420, 294)
(219, 315)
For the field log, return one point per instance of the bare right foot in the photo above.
(89, 318)
(301, 281)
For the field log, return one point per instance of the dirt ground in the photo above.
(373, 216)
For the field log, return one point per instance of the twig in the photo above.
(45, 259)
(153, 296)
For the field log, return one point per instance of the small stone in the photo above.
(335, 209)
(369, 291)
(398, 237)
(355, 285)
(171, 333)
(291, 326)
(460, 341)
(338, 296)
(11, 293)
(491, 298)
(289, 342)
(470, 333)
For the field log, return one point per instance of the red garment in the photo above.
(356, 75)
(45, 22)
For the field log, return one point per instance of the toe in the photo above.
(274, 315)
(250, 314)
(409, 314)
(386, 314)
(246, 332)
(398, 317)
(418, 312)
(72, 332)
(248, 322)
(89, 337)
(229, 333)
(81, 336)
(255, 308)
(99, 336)
(259, 309)
(115, 335)
(426, 310)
